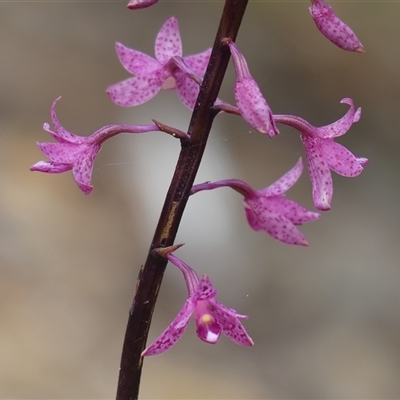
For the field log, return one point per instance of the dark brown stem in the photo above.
(151, 274)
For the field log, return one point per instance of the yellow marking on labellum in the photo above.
(206, 319)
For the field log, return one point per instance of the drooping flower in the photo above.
(250, 101)
(267, 209)
(323, 154)
(151, 75)
(138, 4)
(76, 152)
(212, 318)
(333, 28)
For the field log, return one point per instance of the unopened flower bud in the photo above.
(333, 28)
(137, 4)
(250, 101)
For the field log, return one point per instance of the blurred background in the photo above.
(325, 319)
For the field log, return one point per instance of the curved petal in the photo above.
(231, 326)
(61, 134)
(262, 217)
(136, 62)
(61, 152)
(341, 160)
(83, 167)
(293, 211)
(168, 41)
(198, 62)
(50, 167)
(230, 311)
(341, 126)
(174, 331)
(320, 175)
(285, 182)
(134, 91)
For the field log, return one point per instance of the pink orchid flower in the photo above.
(250, 101)
(212, 318)
(151, 75)
(333, 28)
(323, 154)
(76, 152)
(267, 209)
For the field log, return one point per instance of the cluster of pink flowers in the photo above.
(267, 209)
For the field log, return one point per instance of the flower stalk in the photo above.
(151, 273)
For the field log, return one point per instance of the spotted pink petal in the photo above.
(320, 175)
(134, 91)
(285, 182)
(230, 324)
(341, 126)
(173, 332)
(333, 28)
(60, 134)
(341, 160)
(83, 168)
(136, 62)
(188, 90)
(198, 62)
(261, 216)
(205, 289)
(168, 41)
(61, 152)
(230, 311)
(293, 211)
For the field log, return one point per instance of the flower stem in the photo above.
(151, 273)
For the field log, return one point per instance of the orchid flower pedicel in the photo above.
(197, 80)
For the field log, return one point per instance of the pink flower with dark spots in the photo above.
(268, 209)
(138, 4)
(323, 154)
(76, 152)
(251, 103)
(151, 75)
(333, 28)
(212, 318)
